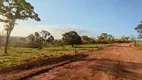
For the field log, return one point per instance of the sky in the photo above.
(87, 17)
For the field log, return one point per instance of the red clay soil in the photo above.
(118, 62)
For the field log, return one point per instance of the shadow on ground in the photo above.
(44, 61)
(119, 69)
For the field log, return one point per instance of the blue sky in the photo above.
(87, 17)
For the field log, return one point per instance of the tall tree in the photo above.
(103, 36)
(110, 37)
(41, 38)
(1, 39)
(139, 30)
(125, 38)
(13, 10)
(71, 38)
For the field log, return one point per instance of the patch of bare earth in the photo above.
(118, 62)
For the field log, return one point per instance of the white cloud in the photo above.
(25, 28)
(55, 30)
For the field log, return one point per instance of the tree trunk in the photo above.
(9, 28)
(75, 49)
(6, 44)
(72, 45)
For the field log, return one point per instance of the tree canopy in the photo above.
(71, 38)
(125, 38)
(139, 30)
(16, 9)
(86, 39)
(41, 38)
(13, 10)
(105, 36)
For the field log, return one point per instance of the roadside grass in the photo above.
(139, 44)
(16, 55)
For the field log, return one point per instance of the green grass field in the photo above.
(138, 44)
(16, 55)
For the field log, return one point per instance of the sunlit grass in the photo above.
(138, 44)
(16, 55)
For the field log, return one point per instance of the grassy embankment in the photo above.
(16, 55)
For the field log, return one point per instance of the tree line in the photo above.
(44, 39)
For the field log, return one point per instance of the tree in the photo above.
(103, 36)
(1, 39)
(58, 42)
(41, 38)
(125, 38)
(86, 39)
(132, 37)
(110, 37)
(139, 30)
(71, 38)
(13, 10)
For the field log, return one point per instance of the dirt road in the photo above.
(118, 62)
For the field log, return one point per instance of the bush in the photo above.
(24, 44)
(103, 41)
